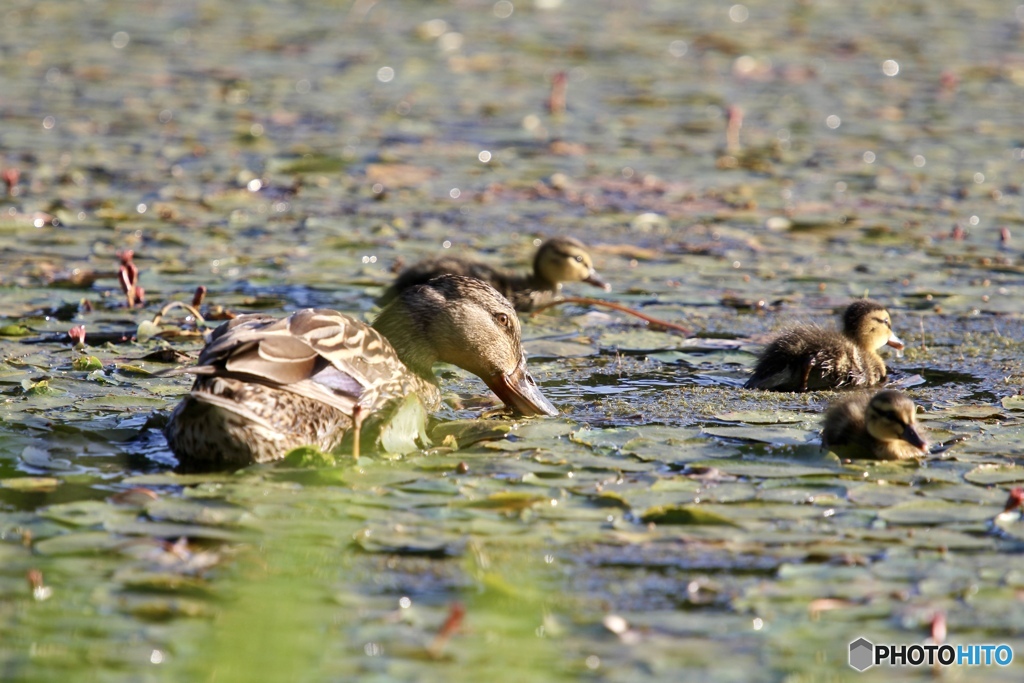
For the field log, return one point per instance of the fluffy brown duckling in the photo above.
(883, 426)
(265, 386)
(809, 357)
(558, 260)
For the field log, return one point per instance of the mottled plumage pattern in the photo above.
(809, 357)
(834, 362)
(883, 427)
(265, 386)
(558, 260)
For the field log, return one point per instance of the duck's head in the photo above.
(891, 416)
(465, 322)
(563, 259)
(868, 323)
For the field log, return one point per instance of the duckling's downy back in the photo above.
(810, 357)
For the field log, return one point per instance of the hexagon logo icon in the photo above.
(862, 654)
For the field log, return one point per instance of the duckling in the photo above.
(808, 357)
(558, 260)
(883, 426)
(265, 386)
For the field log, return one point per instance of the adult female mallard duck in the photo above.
(264, 386)
(808, 357)
(560, 259)
(883, 426)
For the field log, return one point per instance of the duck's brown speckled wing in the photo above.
(319, 354)
(266, 386)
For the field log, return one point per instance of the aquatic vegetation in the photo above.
(729, 167)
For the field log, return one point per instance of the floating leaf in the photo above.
(995, 474)
(30, 483)
(508, 501)
(14, 331)
(468, 432)
(83, 543)
(1015, 402)
(84, 363)
(146, 330)
(770, 435)
(40, 388)
(309, 457)
(41, 458)
(84, 512)
(930, 512)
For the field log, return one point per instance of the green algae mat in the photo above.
(732, 168)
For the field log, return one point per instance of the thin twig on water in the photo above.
(614, 306)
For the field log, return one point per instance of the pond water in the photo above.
(732, 168)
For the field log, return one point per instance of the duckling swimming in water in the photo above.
(265, 386)
(808, 357)
(558, 260)
(883, 426)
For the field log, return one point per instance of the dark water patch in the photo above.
(936, 377)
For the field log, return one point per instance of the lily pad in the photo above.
(30, 483)
(508, 501)
(932, 512)
(1015, 402)
(770, 435)
(995, 474)
(82, 543)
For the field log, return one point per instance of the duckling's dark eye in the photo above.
(579, 259)
(892, 416)
(502, 319)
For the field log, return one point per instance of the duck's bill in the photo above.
(896, 343)
(914, 438)
(520, 393)
(594, 279)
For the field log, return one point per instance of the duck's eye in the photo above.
(579, 259)
(502, 319)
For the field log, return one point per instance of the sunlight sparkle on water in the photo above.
(890, 67)
(739, 13)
